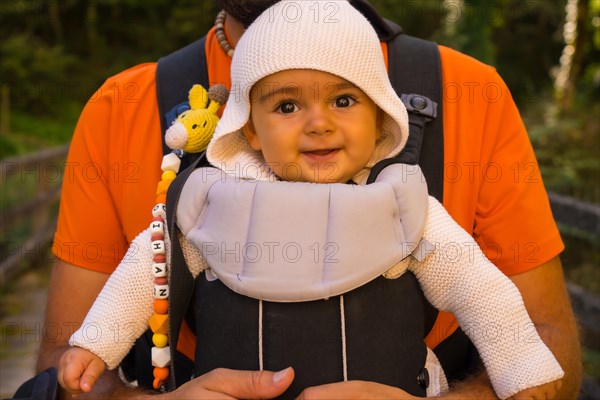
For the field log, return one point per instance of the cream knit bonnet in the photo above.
(329, 36)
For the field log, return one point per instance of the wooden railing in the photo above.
(584, 219)
(31, 186)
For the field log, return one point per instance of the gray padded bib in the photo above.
(295, 241)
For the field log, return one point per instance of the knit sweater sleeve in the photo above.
(457, 277)
(121, 311)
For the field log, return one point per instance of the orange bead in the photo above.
(161, 306)
(162, 187)
(159, 323)
(161, 198)
(160, 375)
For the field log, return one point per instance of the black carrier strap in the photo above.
(176, 73)
(415, 71)
(181, 281)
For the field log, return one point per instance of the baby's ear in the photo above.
(251, 136)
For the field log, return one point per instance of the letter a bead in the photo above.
(159, 270)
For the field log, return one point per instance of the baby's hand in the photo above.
(542, 392)
(78, 370)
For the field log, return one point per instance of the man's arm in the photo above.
(546, 299)
(545, 295)
(71, 293)
(69, 282)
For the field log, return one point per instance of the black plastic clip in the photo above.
(421, 105)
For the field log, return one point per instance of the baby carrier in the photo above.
(310, 335)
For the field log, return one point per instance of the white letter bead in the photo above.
(170, 162)
(157, 227)
(161, 291)
(160, 210)
(161, 356)
(158, 247)
(159, 270)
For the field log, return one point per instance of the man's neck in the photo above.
(234, 29)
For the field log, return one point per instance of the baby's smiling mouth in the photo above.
(321, 155)
(322, 152)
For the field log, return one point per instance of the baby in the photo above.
(311, 102)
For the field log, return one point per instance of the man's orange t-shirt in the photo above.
(492, 183)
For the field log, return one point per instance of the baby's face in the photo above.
(312, 126)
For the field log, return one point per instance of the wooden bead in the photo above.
(170, 162)
(159, 270)
(159, 323)
(160, 210)
(157, 236)
(161, 291)
(159, 258)
(158, 247)
(161, 306)
(160, 339)
(160, 281)
(168, 175)
(161, 356)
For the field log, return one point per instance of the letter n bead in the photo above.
(161, 291)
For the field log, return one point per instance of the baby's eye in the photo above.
(344, 101)
(286, 107)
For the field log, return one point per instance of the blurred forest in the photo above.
(55, 53)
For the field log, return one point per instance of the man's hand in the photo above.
(547, 301)
(355, 390)
(542, 392)
(230, 384)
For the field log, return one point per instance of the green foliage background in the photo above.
(55, 53)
